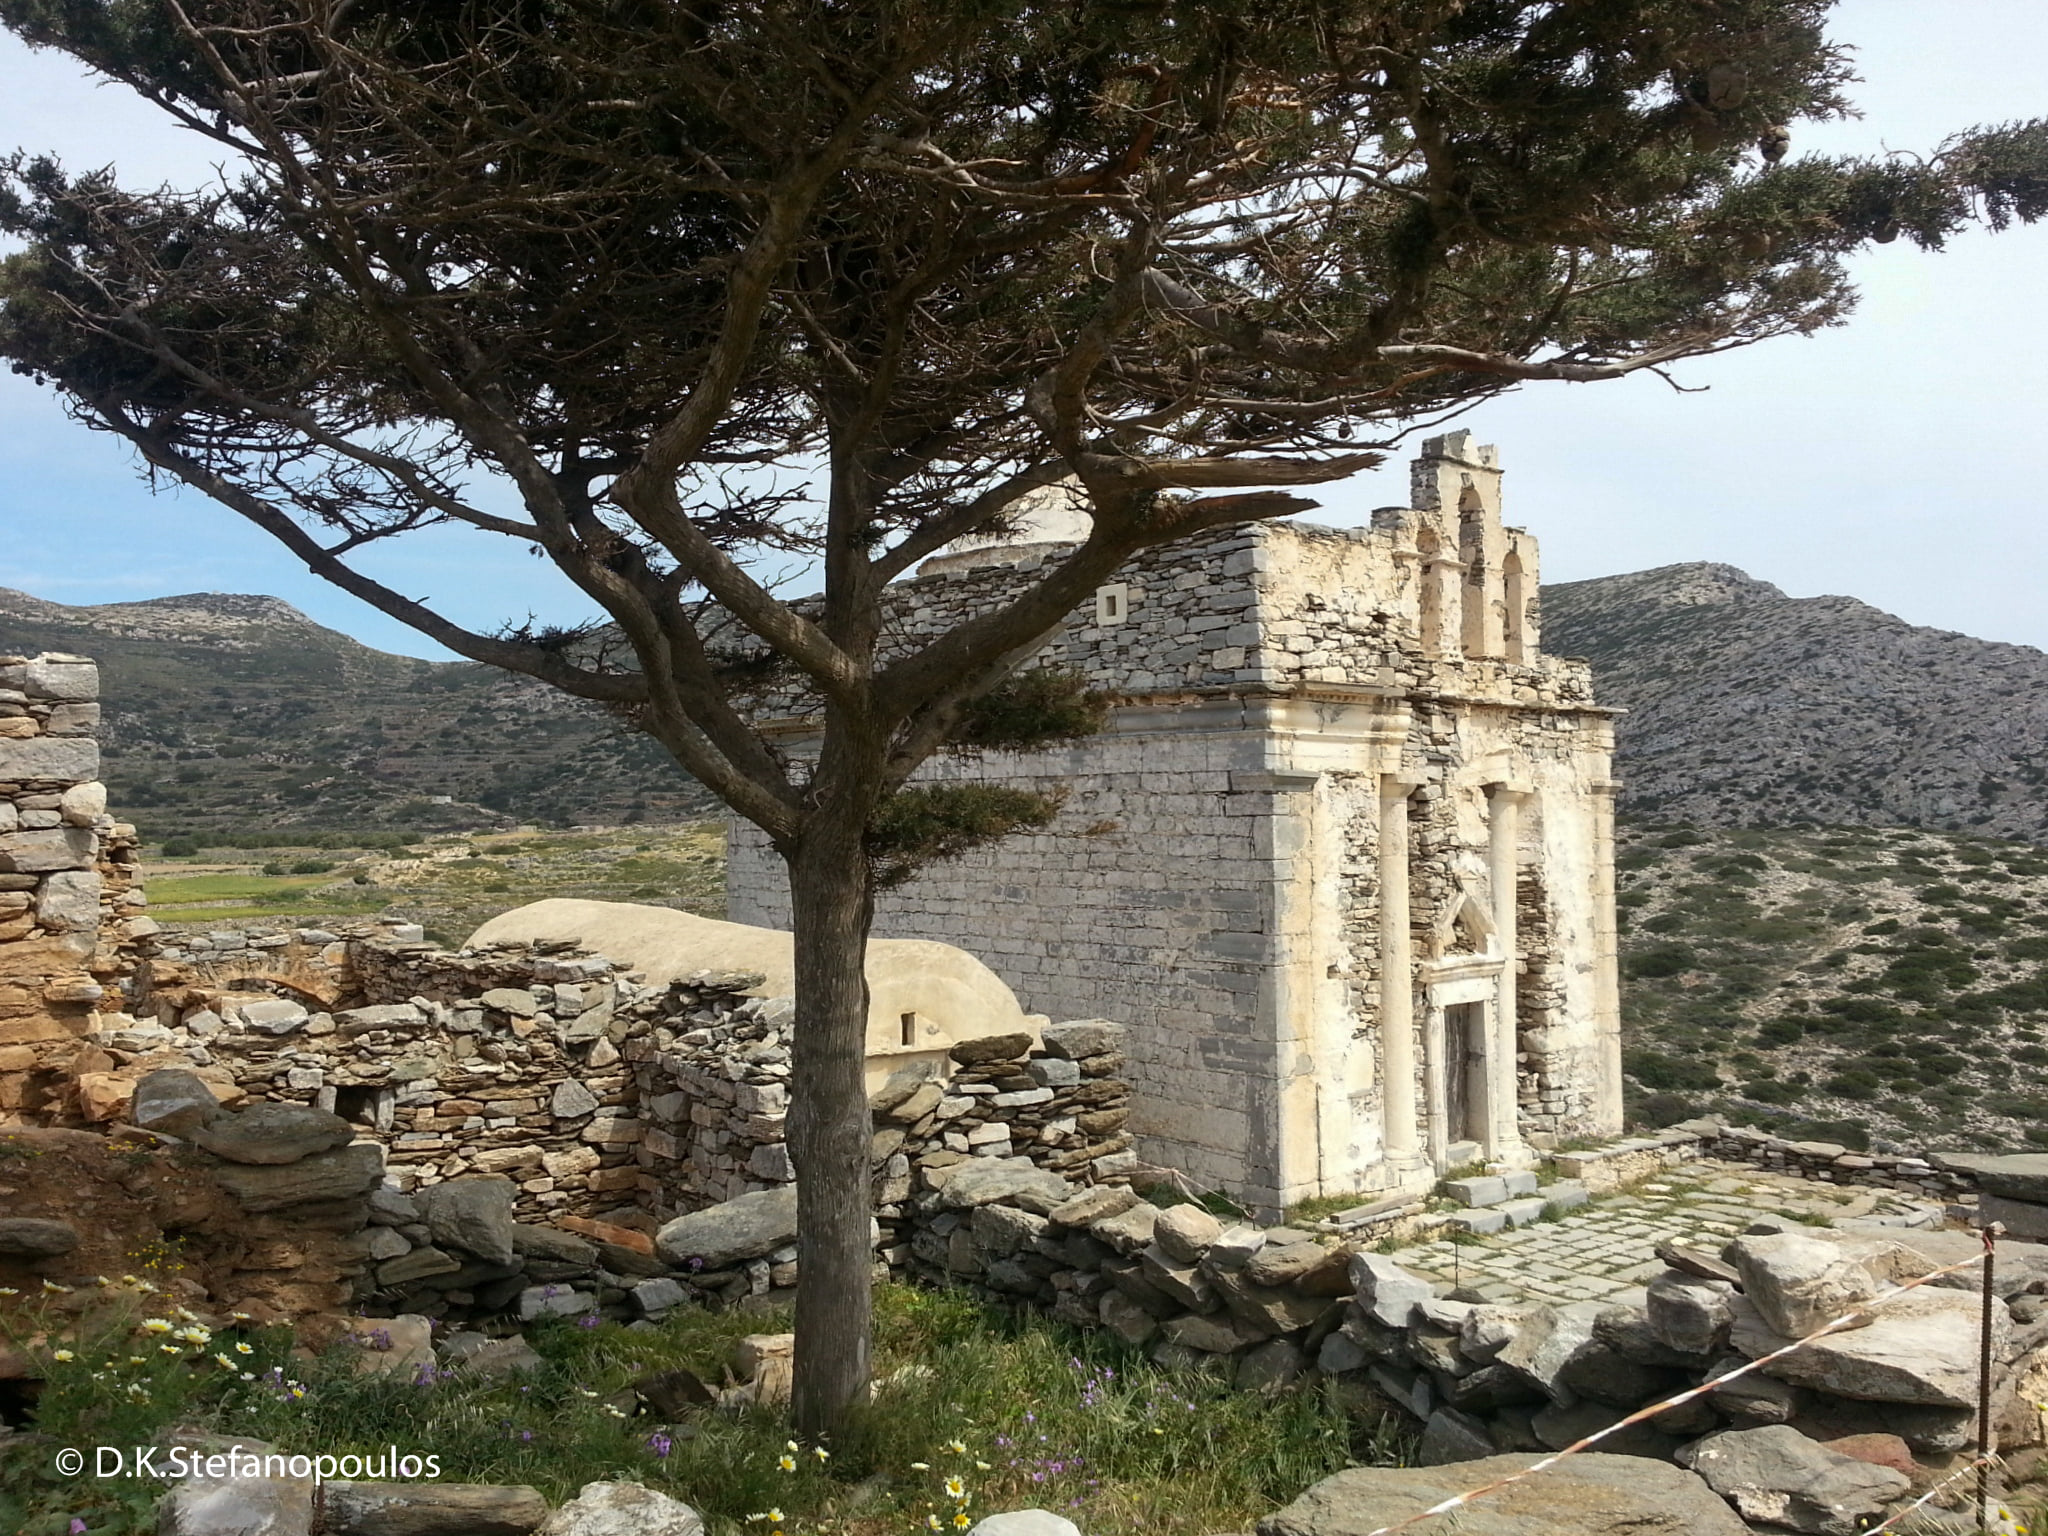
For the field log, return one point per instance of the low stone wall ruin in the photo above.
(70, 914)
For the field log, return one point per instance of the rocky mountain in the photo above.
(229, 712)
(1750, 708)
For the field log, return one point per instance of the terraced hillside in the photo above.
(1845, 983)
(226, 712)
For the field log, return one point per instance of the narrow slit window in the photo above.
(1112, 603)
(910, 1029)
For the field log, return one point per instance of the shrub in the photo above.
(1662, 1109)
(1657, 1070)
(1854, 1084)
(1662, 960)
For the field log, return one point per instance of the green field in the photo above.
(450, 884)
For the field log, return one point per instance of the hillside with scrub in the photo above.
(1881, 987)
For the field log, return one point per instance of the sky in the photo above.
(1887, 460)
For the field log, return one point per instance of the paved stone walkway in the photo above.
(1606, 1251)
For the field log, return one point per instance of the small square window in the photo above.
(1112, 603)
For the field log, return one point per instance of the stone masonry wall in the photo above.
(70, 912)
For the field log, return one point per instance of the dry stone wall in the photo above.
(70, 911)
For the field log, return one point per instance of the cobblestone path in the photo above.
(1606, 1250)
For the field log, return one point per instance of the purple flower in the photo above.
(660, 1444)
(588, 1320)
(77, 1526)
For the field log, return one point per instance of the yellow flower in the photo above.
(963, 1520)
(137, 1360)
(931, 1523)
(981, 1466)
(52, 1288)
(222, 1359)
(156, 1325)
(63, 1354)
(775, 1517)
(821, 1453)
(245, 1349)
(787, 1462)
(170, 1349)
(8, 1290)
(958, 1448)
(955, 1488)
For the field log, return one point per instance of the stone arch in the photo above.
(1516, 598)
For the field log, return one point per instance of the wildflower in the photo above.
(931, 1523)
(791, 1446)
(585, 1392)
(962, 1519)
(52, 1288)
(8, 1290)
(920, 1466)
(821, 1453)
(588, 1320)
(64, 1355)
(77, 1526)
(660, 1444)
(982, 1466)
(955, 1488)
(197, 1337)
(137, 1360)
(958, 1448)
(155, 1325)
(244, 1349)
(787, 1462)
(249, 1376)
(224, 1360)
(170, 1349)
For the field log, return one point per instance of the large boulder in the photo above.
(1919, 1348)
(335, 1175)
(623, 1509)
(271, 1134)
(750, 1227)
(1588, 1495)
(1386, 1292)
(1799, 1283)
(1185, 1233)
(1546, 1340)
(1689, 1313)
(473, 1214)
(1777, 1476)
(36, 1237)
(173, 1101)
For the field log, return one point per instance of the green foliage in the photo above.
(1663, 960)
(1033, 708)
(1071, 1421)
(1660, 1070)
(928, 822)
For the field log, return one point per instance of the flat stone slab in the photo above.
(1589, 1495)
(1920, 1348)
(1481, 1191)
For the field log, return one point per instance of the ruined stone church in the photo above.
(1342, 860)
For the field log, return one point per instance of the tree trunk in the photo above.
(831, 910)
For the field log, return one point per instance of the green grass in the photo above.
(1048, 1418)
